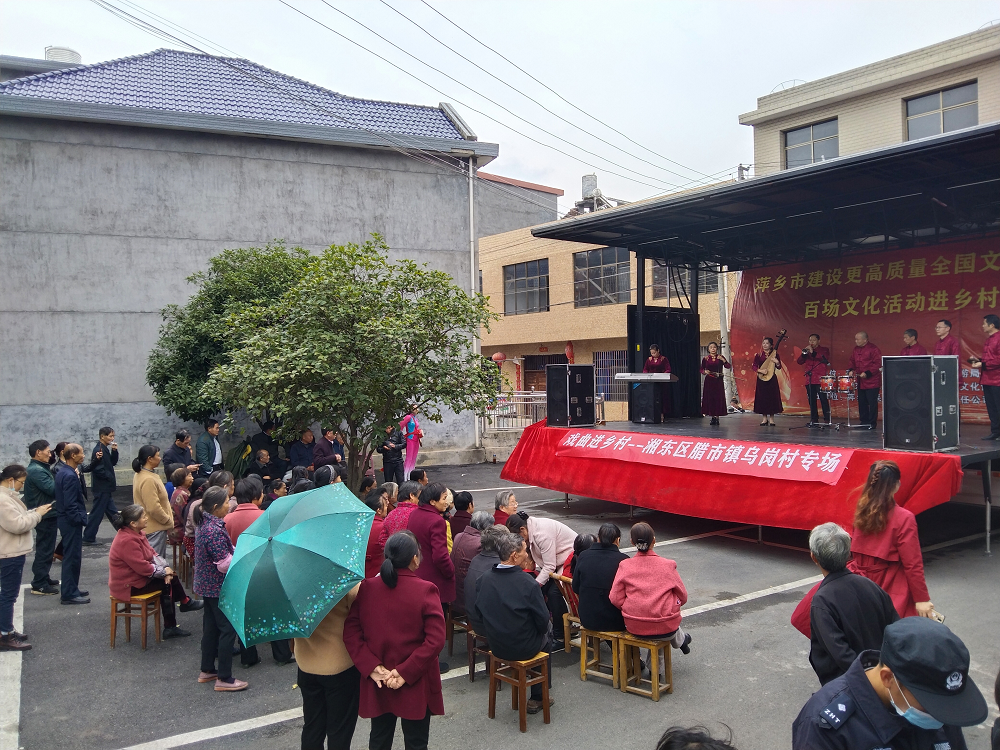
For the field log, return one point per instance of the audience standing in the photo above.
(149, 492)
(399, 517)
(462, 517)
(885, 546)
(505, 505)
(180, 452)
(71, 508)
(300, 453)
(391, 450)
(376, 500)
(848, 613)
(208, 451)
(16, 523)
(593, 578)
(103, 460)
(213, 551)
(398, 679)
(328, 449)
(40, 490)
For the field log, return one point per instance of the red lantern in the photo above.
(499, 358)
(569, 352)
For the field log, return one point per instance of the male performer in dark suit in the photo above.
(816, 361)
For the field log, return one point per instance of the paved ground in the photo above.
(748, 667)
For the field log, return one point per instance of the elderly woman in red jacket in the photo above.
(431, 530)
(134, 568)
(397, 663)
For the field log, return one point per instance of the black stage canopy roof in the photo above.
(913, 193)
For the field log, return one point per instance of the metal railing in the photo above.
(514, 410)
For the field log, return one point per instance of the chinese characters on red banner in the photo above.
(799, 463)
(882, 293)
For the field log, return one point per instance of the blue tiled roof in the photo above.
(174, 81)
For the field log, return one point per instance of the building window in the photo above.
(534, 369)
(811, 144)
(606, 366)
(601, 277)
(942, 111)
(664, 286)
(526, 287)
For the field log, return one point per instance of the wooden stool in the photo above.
(184, 568)
(454, 622)
(632, 680)
(590, 643)
(475, 644)
(148, 604)
(520, 675)
(571, 619)
(174, 547)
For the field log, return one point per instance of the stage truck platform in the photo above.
(739, 471)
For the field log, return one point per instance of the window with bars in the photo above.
(601, 277)
(708, 282)
(942, 111)
(606, 366)
(812, 143)
(526, 287)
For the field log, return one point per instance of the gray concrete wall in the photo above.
(100, 225)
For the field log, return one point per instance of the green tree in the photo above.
(194, 338)
(354, 342)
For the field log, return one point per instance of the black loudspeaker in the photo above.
(647, 403)
(569, 395)
(920, 403)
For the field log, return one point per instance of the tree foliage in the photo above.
(194, 338)
(355, 341)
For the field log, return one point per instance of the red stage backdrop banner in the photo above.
(883, 293)
(797, 463)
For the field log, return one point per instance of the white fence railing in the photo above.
(514, 410)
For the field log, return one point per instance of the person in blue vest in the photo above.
(103, 460)
(71, 513)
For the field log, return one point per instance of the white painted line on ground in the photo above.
(223, 730)
(801, 583)
(962, 540)
(10, 684)
(680, 539)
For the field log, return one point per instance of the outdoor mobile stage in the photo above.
(881, 241)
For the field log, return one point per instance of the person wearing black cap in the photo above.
(914, 694)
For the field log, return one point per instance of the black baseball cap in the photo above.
(933, 664)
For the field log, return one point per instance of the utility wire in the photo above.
(532, 99)
(469, 106)
(549, 88)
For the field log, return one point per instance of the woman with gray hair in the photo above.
(506, 506)
(848, 613)
(464, 548)
(484, 561)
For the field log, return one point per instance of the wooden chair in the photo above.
(571, 619)
(520, 675)
(174, 547)
(590, 655)
(454, 622)
(148, 606)
(632, 680)
(475, 644)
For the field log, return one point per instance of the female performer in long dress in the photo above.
(410, 426)
(713, 397)
(656, 362)
(885, 546)
(767, 397)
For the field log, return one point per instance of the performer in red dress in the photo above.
(816, 360)
(911, 348)
(989, 379)
(946, 345)
(866, 363)
(767, 397)
(713, 397)
(656, 362)
(885, 546)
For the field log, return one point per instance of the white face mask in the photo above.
(915, 716)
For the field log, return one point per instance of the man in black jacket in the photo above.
(512, 609)
(392, 453)
(180, 453)
(263, 467)
(40, 489)
(103, 460)
(849, 613)
(593, 578)
(71, 511)
(264, 441)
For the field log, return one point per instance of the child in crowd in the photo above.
(182, 481)
(197, 489)
(213, 551)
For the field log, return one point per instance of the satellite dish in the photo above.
(785, 85)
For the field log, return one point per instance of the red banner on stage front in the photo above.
(883, 293)
(798, 463)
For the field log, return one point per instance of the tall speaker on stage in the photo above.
(920, 403)
(569, 395)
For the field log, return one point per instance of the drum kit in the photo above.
(834, 383)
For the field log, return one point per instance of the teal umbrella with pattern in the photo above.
(295, 562)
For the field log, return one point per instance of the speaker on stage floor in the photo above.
(647, 403)
(569, 395)
(920, 403)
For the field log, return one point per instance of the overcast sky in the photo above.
(672, 76)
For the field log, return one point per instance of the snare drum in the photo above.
(828, 384)
(846, 383)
